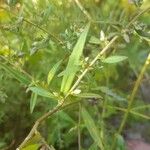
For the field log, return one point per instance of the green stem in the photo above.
(131, 99)
(60, 105)
(79, 131)
(83, 10)
(42, 29)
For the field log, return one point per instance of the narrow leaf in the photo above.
(109, 92)
(114, 59)
(88, 95)
(42, 92)
(52, 72)
(16, 74)
(94, 132)
(73, 62)
(33, 101)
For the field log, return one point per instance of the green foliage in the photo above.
(33, 101)
(42, 92)
(94, 132)
(73, 63)
(47, 46)
(114, 59)
(120, 143)
(16, 74)
(52, 72)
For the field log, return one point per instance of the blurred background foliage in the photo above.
(36, 34)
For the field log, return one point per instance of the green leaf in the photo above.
(52, 72)
(94, 40)
(42, 92)
(16, 74)
(34, 142)
(114, 59)
(88, 95)
(94, 132)
(120, 143)
(109, 92)
(32, 147)
(33, 101)
(73, 62)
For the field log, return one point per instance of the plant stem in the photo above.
(93, 62)
(44, 30)
(83, 10)
(79, 123)
(58, 107)
(38, 122)
(138, 15)
(131, 99)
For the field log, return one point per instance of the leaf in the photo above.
(88, 95)
(73, 62)
(120, 143)
(94, 132)
(52, 72)
(16, 74)
(42, 92)
(34, 142)
(94, 40)
(114, 59)
(33, 101)
(32, 147)
(109, 92)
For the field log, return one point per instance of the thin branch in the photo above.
(33, 24)
(131, 100)
(93, 62)
(136, 17)
(79, 131)
(38, 122)
(44, 30)
(141, 107)
(58, 107)
(85, 12)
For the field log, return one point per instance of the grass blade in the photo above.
(73, 62)
(94, 132)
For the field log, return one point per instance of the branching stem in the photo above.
(58, 107)
(131, 100)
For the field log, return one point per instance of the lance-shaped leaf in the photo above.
(114, 59)
(33, 101)
(52, 72)
(16, 74)
(94, 132)
(88, 95)
(42, 92)
(73, 62)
